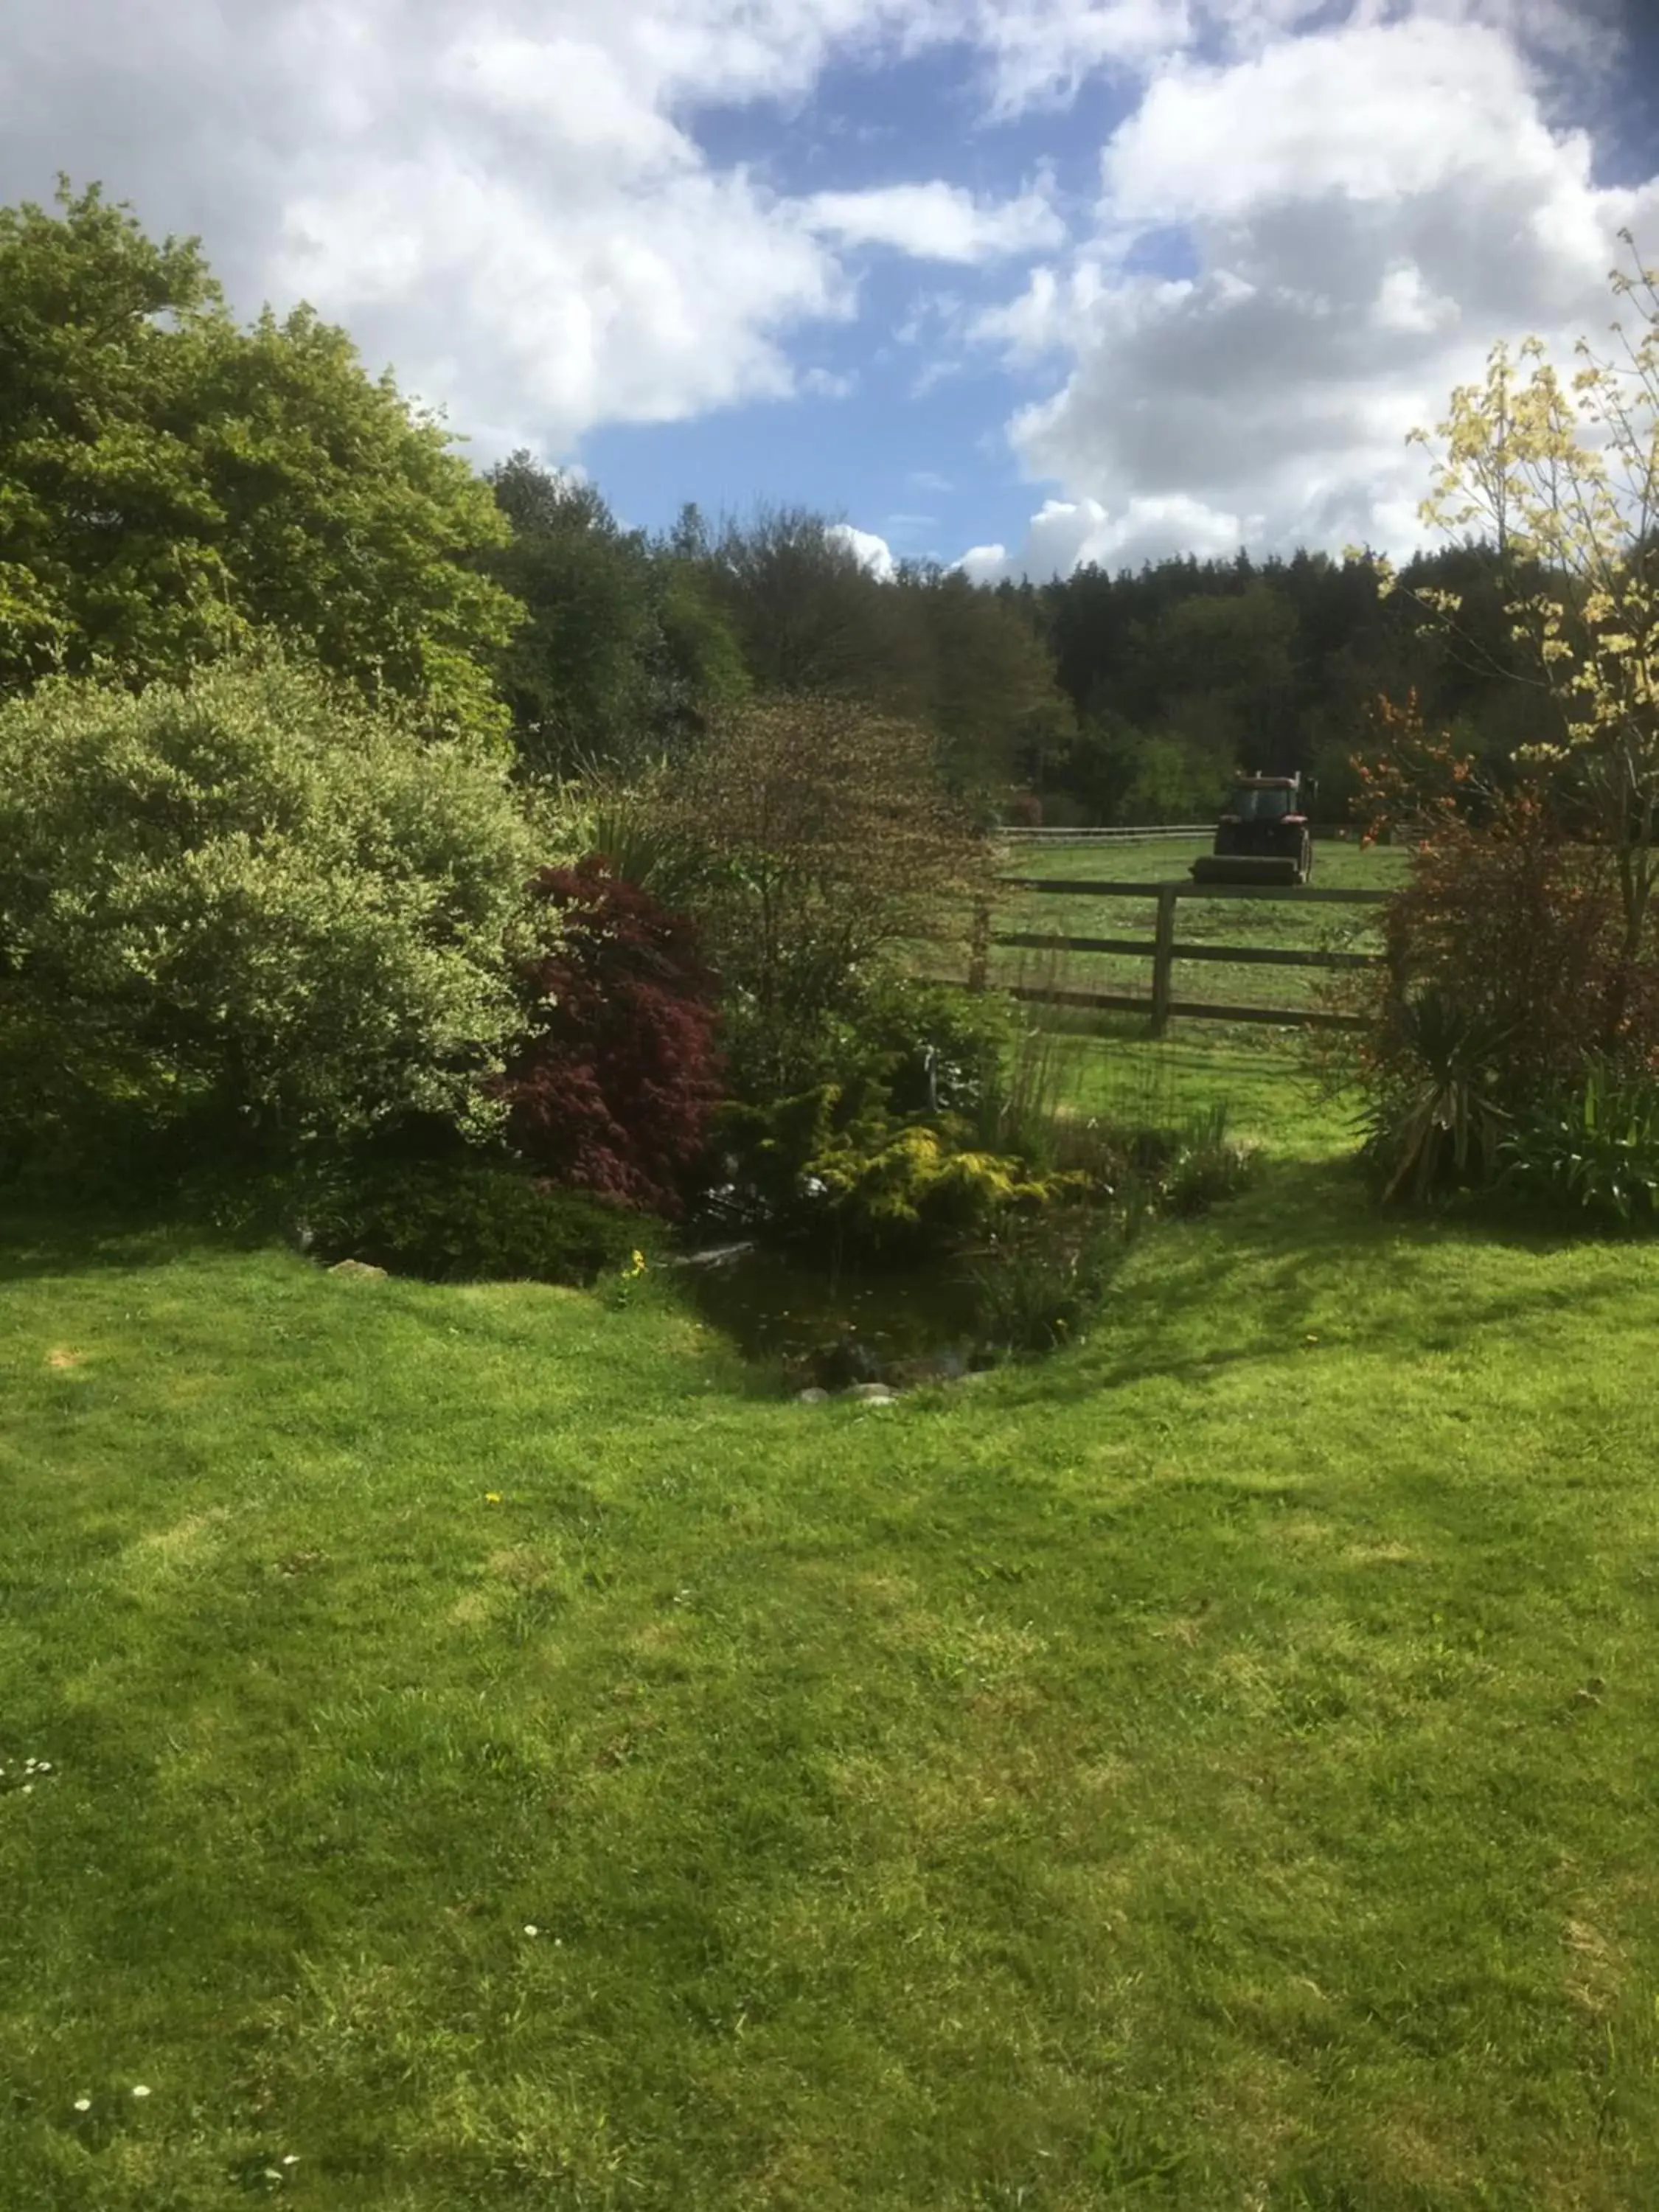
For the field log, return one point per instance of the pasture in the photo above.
(1277, 924)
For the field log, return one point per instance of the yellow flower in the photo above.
(492, 1497)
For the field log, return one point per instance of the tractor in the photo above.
(1264, 837)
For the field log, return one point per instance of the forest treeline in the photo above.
(1113, 698)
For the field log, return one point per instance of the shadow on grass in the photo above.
(38, 1239)
(1307, 1248)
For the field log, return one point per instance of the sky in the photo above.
(1011, 284)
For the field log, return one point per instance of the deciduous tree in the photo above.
(171, 482)
(1567, 481)
(826, 837)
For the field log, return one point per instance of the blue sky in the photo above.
(1016, 283)
(915, 449)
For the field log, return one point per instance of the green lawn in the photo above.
(1276, 1102)
(1214, 1768)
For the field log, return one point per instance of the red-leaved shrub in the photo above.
(1522, 932)
(1509, 976)
(613, 1095)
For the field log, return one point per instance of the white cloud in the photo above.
(1041, 51)
(872, 553)
(600, 316)
(988, 564)
(936, 222)
(1069, 534)
(1380, 114)
(509, 203)
(1390, 201)
(1404, 302)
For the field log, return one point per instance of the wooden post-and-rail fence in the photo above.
(1164, 949)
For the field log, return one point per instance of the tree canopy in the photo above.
(622, 647)
(1567, 482)
(172, 481)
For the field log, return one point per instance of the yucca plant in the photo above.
(1439, 1116)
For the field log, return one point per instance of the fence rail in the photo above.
(1164, 949)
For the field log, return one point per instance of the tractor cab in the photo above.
(1263, 836)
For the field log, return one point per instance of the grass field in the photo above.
(1278, 924)
(498, 1760)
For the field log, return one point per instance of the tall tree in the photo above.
(1569, 487)
(573, 674)
(171, 482)
(993, 695)
(811, 618)
(1223, 671)
(623, 646)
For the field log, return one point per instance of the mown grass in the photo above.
(1341, 862)
(1211, 1768)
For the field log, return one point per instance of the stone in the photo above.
(872, 1394)
(812, 1397)
(359, 1267)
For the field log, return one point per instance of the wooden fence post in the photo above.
(1164, 956)
(979, 945)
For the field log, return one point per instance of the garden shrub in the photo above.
(478, 1221)
(1507, 974)
(1435, 1081)
(838, 1164)
(614, 1091)
(1593, 1148)
(1520, 930)
(934, 1046)
(248, 900)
